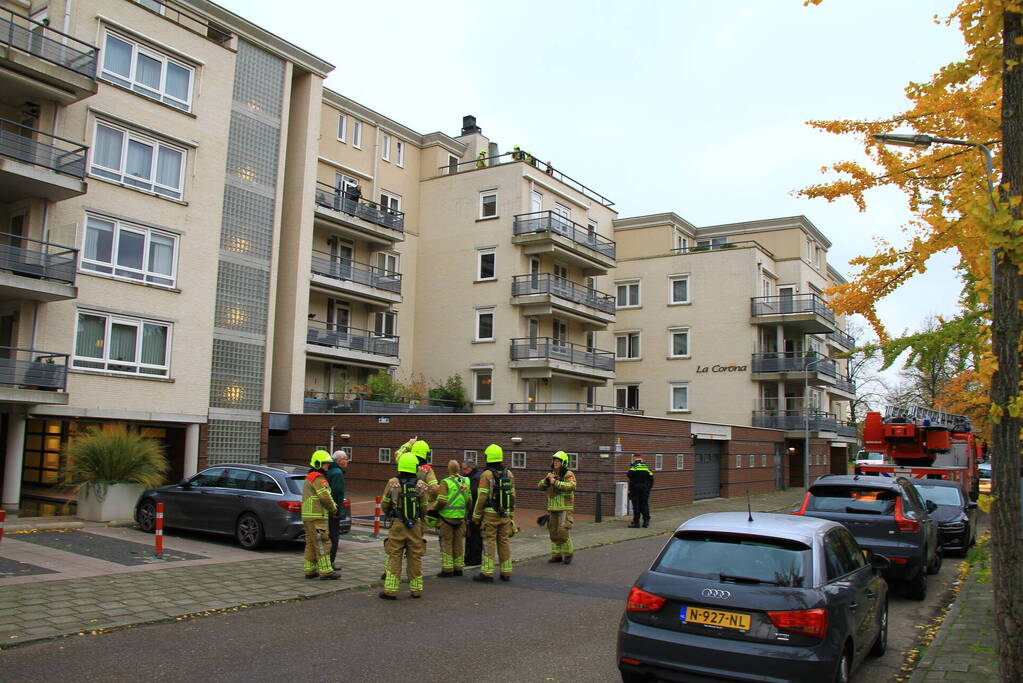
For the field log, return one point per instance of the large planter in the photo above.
(108, 502)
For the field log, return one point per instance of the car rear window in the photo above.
(852, 499)
(736, 559)
(295, 483)
(941, 495)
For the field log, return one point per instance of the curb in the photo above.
(922, 667)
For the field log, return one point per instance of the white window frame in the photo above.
(738, 462)
(480, 312)
(470, 457)
(129, 81)
(385, 324)
(393, 202)
(625, 388)
(399, 153)
(518, 459)
(752, 460)
(763, 460)
(111, 268)
(81, 362)
(480, 253)
(628, 285)
(119, 175)
(476, 375)
(629, 346)
(383, 454)
(483, 197)
(681, 242)
(671, 290)
(573, 461)
(385, 147)
(680, 461)
(356, 133)
(658, 462)
(672, 331)
(342, 126)
(671, 397)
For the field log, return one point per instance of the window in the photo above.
(485, 324)
(680, 396)
(385, 147)
(712, 243)
(763, 460)
(752, 460)
(385, 323)
(627, 396)
(129, 251)
(399, 148)
(488, 205)
(573, 461)
(591, 396)
(680, 462)
(132, 159)
(469, 457)
(809, 251)
(678, 289)
(627, 345)
(518, 459)
(342, 127)
(678, 342)
(357, 133)
(484, 386)
(738, 462)
(559, 332)
(387, 263)
(390, 202)
(452, 164)
(121, 344)
(155, 5)
(681, 242)
(147, 72)
(485, 264)
(383, 455)
(658, 461)
(627, 295)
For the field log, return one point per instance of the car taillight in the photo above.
(348, 505)
(290, 505)
(802, 508)
(901, 521)
(812, 622)
(641, 601)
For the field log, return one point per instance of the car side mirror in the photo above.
(931, 506)
(185, 484)
(971, 505)
(879, 562)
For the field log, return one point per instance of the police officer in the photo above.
(317, 506)
(559, 485)
(495, 504)
(404, 498)
(641, 480)
(451, 506)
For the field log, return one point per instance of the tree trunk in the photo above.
(1006, 333)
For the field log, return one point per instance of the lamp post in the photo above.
(806, 420)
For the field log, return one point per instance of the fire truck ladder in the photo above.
(927, 417)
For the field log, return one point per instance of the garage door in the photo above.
(708, 469)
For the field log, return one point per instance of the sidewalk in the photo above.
(141, 589)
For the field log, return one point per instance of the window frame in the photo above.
(356, 133)
(672, 279)
(478, 314)
(681, 330)
(117, 227)
(384, 454)
(477, 376)
(130, 82)
(626, 388)
(628, 285)
(470, 457)
(738, 461)
(671, 397)
(122, 177)
(385, 147)
(573, 461)
(680, 461)
(658, 462)
(399, 153)
(483, 203)
(110, 319)
(342, 127)
(629, 346)
(518, 459)
(480, 254)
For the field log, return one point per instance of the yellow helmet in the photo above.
(562, 456)
(408, 463)
(420, 449)
(319, 457)
(494, 453)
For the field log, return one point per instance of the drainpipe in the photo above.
(67, 20)
(376, 164)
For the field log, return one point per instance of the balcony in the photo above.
(359, 218)
(31, 376)
(350, 402)
(542, 357)
(34, 164)
(41, 63)
(547, 294)
(804, 313)
(361, 347)
(567, 407)
(841, 340)
(35, 270)
(794, 420)
(845, 386)
(358, 280)
(788, 365)
(544, 232)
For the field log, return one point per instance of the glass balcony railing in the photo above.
(548, 221)
(549, 348)
(337, 199)
(347, 270)
(562, 288)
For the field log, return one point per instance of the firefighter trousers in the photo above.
(558, 527)
(317, 548)
(496, 532)
(452, 544)
(410, 542)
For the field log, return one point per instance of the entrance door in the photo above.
(532, 390)
(536, 202)
(707, 483)
(562, 220)
(785, 299)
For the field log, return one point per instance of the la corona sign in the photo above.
(730, 367)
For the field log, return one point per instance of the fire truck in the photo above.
(921, 443)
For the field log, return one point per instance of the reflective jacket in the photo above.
(487, 480)
(454, 497)
(560, 495)
(317, 502)
(641, 479)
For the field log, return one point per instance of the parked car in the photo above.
(865, 458)
(984, 475)
(255, 503)
(955, 513)
(777, 598)
(885, 515)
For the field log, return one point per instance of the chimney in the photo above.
(469, 125)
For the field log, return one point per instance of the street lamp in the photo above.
(806, 419)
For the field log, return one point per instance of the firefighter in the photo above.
(404, 499)
(495, 504)
(424, 472)
(641, 480)
(559, 485)
(317, 506)
(451, 507)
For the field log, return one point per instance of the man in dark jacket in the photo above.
(336, 479)
(641, 480)
(474, 539)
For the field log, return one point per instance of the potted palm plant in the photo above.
(108, 470)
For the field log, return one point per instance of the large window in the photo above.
(679, 396)
(679, 289)
(484, 386)
(485, 259)
(485, 324)
(138, 161)
(121, 344)
(385, 147)
(129, 251)
(678, 342)
(627, 294)
(627, 345)
(627, 396)
(357, 133)
(342, 127)
(147, 72)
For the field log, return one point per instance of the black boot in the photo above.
(634, 525)
(386, 596)
(445, 575)
(646, 523)
(568, 559)
(554, 559)
(483, 578)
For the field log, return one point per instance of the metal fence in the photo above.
(549, 348)
(563, 288)
(565, 407)
(35, 258)
(48, 44)
(337, 199)
(328, 265)
(42, 149)
(548, 221)
(793, 361)
(33, 369)
(797, 303)
(357, 402)
(352, 338)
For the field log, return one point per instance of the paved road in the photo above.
(550, 623)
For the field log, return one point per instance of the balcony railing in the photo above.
(549, 348)
(565, 407)
(548, 221)
(188, 21)
(793, 361)
(525, 157)
(563, 288)
(797, 303)
(41, 149)
(48, 44)
(842, 339)
(352, 338)
(26, 256)
(33, 369)
(355, 402)
(846, 428)
(328, 265)
(339, 200)
(723, 246)
(792, 420)
(846, 385)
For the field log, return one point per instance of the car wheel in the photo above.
(147, 516)
(881, 642)
(844, 667)
(935, 565)
(916, 588)
(629, 677)
(249, 531)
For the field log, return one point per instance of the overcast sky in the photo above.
(696, 107)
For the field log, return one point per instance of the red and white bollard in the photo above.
(3, 518)
(376, 519)
(159, 530)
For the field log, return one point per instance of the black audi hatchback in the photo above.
(778, 598)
